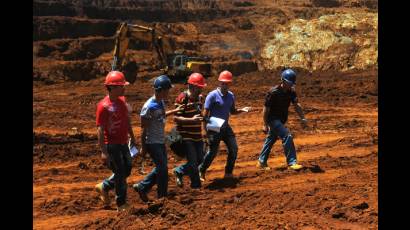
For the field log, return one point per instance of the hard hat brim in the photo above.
(226, 81)
(199, 85)
(118, 83)
(287, 81)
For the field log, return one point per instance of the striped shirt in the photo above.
(192, 131)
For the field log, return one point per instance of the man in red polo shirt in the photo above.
(113, 126)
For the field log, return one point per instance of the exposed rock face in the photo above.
(338, 42)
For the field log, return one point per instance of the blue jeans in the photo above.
(226, 135)
(194, 155)
(159, 174)
(278, 130)
(120, 162)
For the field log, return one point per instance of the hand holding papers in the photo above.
(215, 124)
(133, 149)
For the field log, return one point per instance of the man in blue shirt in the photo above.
(153, 116)
(220, 103)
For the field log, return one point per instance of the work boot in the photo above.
(295, 166)
(103, 194)
(123, 207)
(178, 179)
(141, 193)
(202, 176)
(262, 166)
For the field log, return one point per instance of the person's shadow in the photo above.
(222, 183)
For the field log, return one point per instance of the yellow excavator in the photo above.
(175, 64)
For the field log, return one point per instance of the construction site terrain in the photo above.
(332, 44)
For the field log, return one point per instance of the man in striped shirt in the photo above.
(188, 124)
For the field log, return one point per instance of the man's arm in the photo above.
(103, 146)
(235, 110)
(144, 123)
(173, 111)
(184, 120)
(188, 120)
(143, 150)
(130, 131)
(241, 110)
(265, 119)
(205, 115)
(299, 111)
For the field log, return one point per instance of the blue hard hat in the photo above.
(289, 76)
(162, 82)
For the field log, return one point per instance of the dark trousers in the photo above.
(159, 174)
(226, 135)
(120, 162)
(194, 155)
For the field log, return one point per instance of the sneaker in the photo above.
(262, 166)
(202, 176)
(178, 179)
(123, 207)
(141, 193)
(228, 176)
(103, 194)
(295, 166)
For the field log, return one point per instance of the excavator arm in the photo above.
(164, 48)
(137, 32)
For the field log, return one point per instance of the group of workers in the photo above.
(191, 115)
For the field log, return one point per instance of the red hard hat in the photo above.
(225, 76)
(197, 79)
(115, 78)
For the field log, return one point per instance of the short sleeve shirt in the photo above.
(113, 116)
(279, 101)
(193, 107)
(153, 111)
(220, 105)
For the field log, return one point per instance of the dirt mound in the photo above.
(237, 68)
(71, 71)
(59, 139)
(46, 28)
(60, 147)
(74, 49)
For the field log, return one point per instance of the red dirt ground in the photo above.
(337, 189)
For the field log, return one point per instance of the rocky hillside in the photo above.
(336, 41)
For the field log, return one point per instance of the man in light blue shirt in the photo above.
(153, 139)
(220, 103)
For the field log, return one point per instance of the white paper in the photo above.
(133, 149)
(215, 124)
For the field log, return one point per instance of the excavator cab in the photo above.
(199, 65)
(180, 66)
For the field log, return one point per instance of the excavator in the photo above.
(174, 63)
